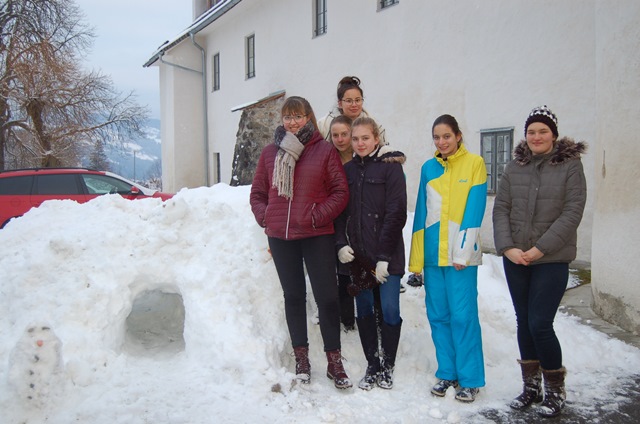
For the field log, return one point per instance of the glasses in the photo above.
(356, 102)
(295, 118)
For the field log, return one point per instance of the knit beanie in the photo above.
(542, 114)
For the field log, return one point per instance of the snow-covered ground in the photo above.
(120, 311)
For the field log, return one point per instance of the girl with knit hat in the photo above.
(537, 210)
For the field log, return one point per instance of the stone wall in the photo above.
(255, 130)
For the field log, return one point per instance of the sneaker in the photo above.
(402, 288)
(440, 389)
(415, 280)
(467, 394)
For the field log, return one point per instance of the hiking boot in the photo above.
(335, 370)
(303, 368)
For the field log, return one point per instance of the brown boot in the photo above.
(303, 367)
(532, 387)
(554, 393)
(335, 370)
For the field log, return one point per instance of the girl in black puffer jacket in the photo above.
(369, 236)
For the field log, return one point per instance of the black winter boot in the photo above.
(335, 370)
(554, 393)
(303, 368)
(532, 387)
(369, 339)
(390, 338)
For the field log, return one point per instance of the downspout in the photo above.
(204, 107)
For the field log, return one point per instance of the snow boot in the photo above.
(532, 385)
(303, 368)
(335, 370)
(554, 393)
(390, 337)
(369, 339)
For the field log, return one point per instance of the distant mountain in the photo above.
(136, 159)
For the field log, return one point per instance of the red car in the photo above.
(23, 189)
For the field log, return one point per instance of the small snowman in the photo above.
(35, 365)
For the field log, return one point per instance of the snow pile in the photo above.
(120, 311)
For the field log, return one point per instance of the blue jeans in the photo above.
(389, 299)
(452, 309)
(536, 292)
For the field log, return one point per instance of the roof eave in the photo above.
(201, 23)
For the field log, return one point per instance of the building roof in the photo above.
(202, 22)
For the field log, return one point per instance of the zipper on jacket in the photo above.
(313, 221)
(286, 231)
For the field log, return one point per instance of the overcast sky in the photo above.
(128, 32)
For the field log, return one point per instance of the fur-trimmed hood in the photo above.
(565, 149)
(387, 154)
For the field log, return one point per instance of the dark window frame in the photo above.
(497, 151)
(383, 4)
(216, 71)
(250, 45)
(320, 18)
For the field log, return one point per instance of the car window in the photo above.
(16, 185)
(103, 184)
(57, 184)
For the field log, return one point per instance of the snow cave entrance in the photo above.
(155, 325)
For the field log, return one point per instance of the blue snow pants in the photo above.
(452, 309)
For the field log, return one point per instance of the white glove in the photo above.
(345, 254)
(382, 271)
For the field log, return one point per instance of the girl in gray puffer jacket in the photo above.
(536, 214)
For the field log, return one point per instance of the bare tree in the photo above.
(154, 175)
(50, 108)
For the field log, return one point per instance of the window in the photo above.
(251, 56)
(386, 3)
(216, 72)
(496, 145)
(57, 184)
(216, 167)
(103, 184)
(15, 185)
(320, 23)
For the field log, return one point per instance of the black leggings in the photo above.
(318, 255)
(536, 292)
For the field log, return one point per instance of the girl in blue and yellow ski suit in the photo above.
(446, 245)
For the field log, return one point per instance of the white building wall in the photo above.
(615, 270)
(182, 119)
(485, 62)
